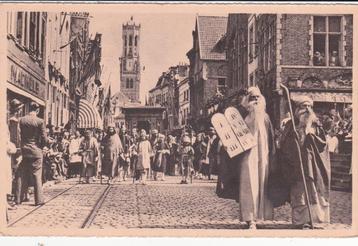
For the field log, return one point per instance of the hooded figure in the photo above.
(111, 152)
(316, 165)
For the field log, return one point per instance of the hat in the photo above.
(154, 131)
(303, 99)
(34, 106)
(15, 104)
(111, 125)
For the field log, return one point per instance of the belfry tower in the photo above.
(129, 62)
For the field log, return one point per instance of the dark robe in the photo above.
(315, 160)
(161, 157)
(228, 185)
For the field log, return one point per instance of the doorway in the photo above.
(143, 124)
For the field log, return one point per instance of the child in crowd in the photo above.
(187, 155)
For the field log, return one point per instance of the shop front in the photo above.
(25, 85)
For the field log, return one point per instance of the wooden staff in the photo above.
(299, 156)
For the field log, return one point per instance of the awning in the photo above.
(88, 116)
(17, 90)
(335, 97)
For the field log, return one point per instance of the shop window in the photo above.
(19, 26)
(327, 41)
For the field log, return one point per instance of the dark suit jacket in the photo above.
(33, 136)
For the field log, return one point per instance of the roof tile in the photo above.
(211, 29)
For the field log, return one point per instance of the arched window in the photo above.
(130, 40)
(136, 40)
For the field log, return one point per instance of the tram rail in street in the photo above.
(10, 224)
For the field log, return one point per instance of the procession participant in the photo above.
(33, 139)
(315, 161)
(161, 149)
(89, 150)
(210, 152)
(111, 152)
(186, 157)
(125, 161)
(144, 152)
(255, 164)
(15, 110)
(134, 138)
(75, 158)
(153, 141)
(173, 156)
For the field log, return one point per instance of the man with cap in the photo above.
(316, 165)
(33, 139)
(15, 110)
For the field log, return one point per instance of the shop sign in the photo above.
(325, 96)
(26, 81)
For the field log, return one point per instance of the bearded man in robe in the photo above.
(316, 165)
(256, 163)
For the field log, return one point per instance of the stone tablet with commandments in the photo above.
(233, 131)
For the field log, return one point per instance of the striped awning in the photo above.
(88, 116)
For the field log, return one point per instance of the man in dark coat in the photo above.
(14, 129)
(33, 139)
(316, 165)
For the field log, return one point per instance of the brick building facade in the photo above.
(312, 55)
(208, 67)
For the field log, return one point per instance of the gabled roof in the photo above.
(210, 31)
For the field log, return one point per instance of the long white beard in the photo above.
(256, 116)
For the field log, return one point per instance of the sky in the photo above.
(164, 41)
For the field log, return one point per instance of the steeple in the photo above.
(130, 68)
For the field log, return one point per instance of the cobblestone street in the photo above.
(158, 204)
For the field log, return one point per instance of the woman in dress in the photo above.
(161, 156)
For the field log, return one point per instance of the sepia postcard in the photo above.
(178, 119)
